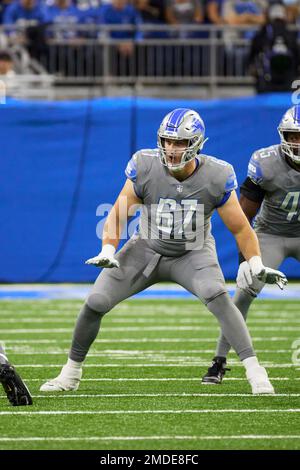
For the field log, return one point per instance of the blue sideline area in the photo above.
(60, 160)
(158, 291)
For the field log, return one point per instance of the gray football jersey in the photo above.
(280, 210)
(175, 216)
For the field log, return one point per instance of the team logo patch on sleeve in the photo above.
(130, 171)
(231, 183)
(254, 170)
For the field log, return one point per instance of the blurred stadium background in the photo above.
(84, 84)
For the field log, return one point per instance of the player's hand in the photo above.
(267, 275)
(103, 262)
(105, 259)
(244, 276)
(272, 276)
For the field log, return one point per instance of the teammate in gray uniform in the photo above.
(273, 186)
(178, 189)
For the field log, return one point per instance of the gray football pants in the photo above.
(140, 267)
(274, 250)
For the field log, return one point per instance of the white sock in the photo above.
(250, 362)
(73, 364)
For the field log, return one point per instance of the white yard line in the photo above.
(140, 340)
(155, 320)
(130, 316)
(128, 353)
(187, 364)
(137, 412)
(154, 379)
(149, 328)
(150, 438)
(35, 330)
(158, 304)
(161, 395)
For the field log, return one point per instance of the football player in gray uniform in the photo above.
(178, 190)
(272, 187)
(14, 387)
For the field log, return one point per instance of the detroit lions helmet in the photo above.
(181, 124)
(290, 123)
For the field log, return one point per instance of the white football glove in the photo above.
(255, 268)
(105, 259)
(244, 277)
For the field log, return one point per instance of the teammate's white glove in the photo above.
(255, 268)
(105, 259)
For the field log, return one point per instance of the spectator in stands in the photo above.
(89, 10)
(244, 12)
(25, 13)
(274, 55)
(83, 5)
(7, 78)
(180, 59)
(31, 16)
(3, 5)
(6, 65)
(151, 12)
(184, 12)
(65, 14)
(292, 9)
(119, 12)
(123, 13)
(214, 12)
(239, 13)
(68, 55)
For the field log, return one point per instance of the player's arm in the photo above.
(252, 196)
(236, 221)
(122, 210)
(124, 207)
(250, 208)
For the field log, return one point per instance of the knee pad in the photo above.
(99, 303)
(212, 289)
(254, 289)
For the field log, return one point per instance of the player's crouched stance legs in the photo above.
(178, 188)
(86, 331)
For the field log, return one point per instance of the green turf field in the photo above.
(141, 386)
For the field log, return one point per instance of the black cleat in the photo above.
(14, 387)
(215, 372)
